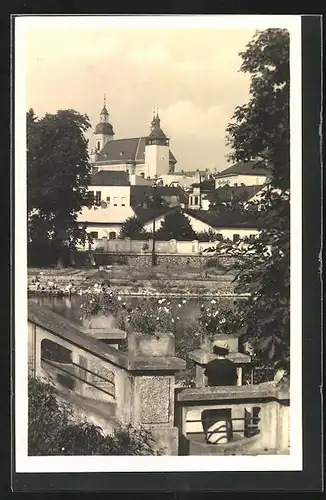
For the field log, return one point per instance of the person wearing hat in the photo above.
(220, 371)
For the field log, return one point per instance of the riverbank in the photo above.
(156, 283)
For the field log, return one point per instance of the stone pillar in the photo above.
(153, 366)
(173, 244)
(128, 244)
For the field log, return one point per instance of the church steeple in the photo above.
(156, 135)
(103, 130)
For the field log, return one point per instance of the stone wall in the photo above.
(172, 261)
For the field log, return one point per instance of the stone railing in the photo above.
(260, 416)
(102, 383)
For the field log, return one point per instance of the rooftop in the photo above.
(140, 194)
(110, 178)
(225, 219)
(126, 150)
(245, 168)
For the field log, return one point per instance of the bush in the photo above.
(52, 430)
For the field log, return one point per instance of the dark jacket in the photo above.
(221, 372)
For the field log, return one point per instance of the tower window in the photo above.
(98, 146)
(108, 200)
(123, 201)
(115, 201)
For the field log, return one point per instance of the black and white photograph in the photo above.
(157, 317)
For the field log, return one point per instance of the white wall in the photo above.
(119, 195)
(156, 160)
(102, 139)
(247, 180)
(104, 231)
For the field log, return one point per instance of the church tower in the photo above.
(103, 130)
(157, 150)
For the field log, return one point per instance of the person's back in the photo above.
(221, 372)
(217, 424)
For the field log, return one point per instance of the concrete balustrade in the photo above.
(103, 383)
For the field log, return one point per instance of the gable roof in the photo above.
(245, 168)
(126, 150)
(226, 219)
(110, 178)
(227, 193)
(140, 194)
(145, 215)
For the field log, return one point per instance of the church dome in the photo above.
(104, 128)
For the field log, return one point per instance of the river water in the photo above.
(70, 307)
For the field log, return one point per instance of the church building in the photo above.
(148, 156)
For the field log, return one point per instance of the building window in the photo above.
(98, 197)
(112, 235)
(252, 237)
(98, 147)
(236, 237)
(142, 175)
(219, 237)
(94, 234)
(108, 201)
(196, 200)
(115, 201)
(123, 201)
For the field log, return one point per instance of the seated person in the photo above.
(221, 371)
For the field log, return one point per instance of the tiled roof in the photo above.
(126, 150)
(227, 193)
(245, 168)
(110, 178)
(139, 194)
(227, 219)
(145, 215)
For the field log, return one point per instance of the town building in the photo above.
(145, 156)
(251, 173)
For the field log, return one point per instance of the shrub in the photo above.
(52, 430)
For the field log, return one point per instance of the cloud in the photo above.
(185, 120)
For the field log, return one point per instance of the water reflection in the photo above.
(70, 307)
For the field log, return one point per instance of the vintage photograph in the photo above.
(157, 166)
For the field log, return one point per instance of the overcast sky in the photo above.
(192, 75)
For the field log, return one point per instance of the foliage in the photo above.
(58, 174)
(133, 228)
(176, 226)
(52, 430)
(260, 130)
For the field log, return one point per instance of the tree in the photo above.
(260, 130)
(58, 173)
(52, 430)
(176, 226)
(133, 228)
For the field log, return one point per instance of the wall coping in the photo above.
(67, 330)
(233, 393)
